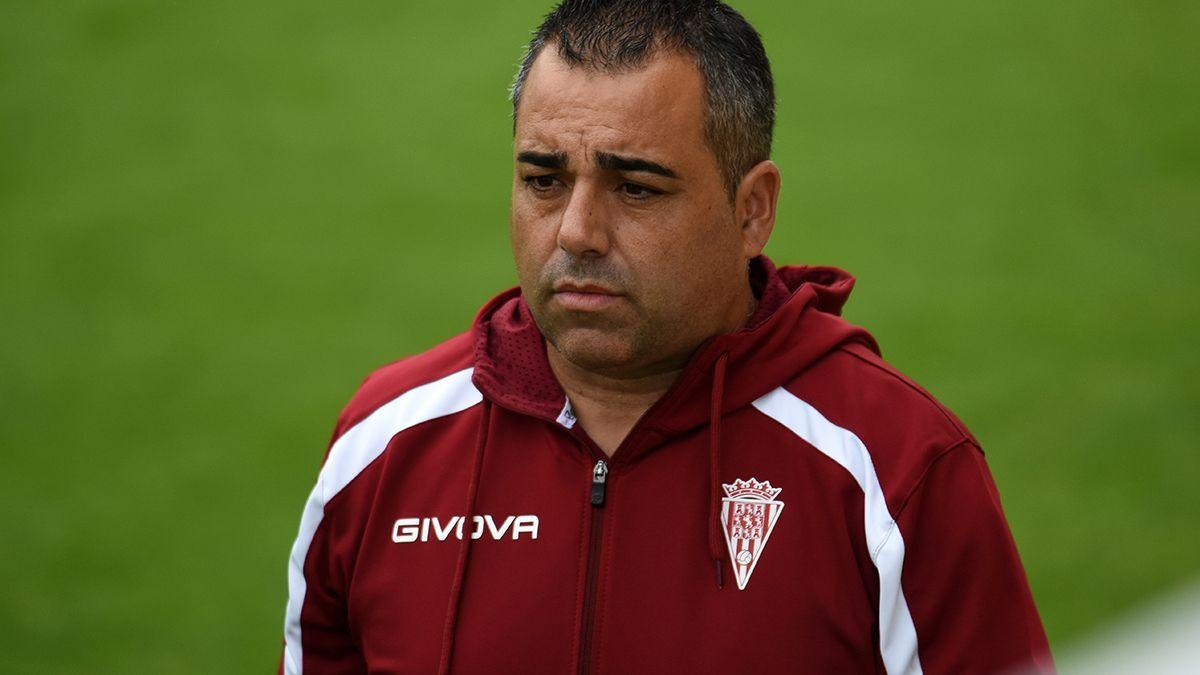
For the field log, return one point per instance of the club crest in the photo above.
(749, 512)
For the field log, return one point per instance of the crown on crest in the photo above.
(751, 488)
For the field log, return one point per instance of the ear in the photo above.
(754, 206)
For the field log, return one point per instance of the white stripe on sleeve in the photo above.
(897, 634)
(350, 454)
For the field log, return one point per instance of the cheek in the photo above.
(688, 263)
(718, 242)
(531, 235)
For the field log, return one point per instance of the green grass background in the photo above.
(216, 217)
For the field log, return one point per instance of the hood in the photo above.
(797, 321)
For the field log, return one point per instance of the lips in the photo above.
(584, 296)
(582, 287)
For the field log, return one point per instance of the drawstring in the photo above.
(464, 548)
(714, 516)
(714, 467)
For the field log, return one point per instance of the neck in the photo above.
(606, 406)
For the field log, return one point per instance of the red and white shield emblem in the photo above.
(749, 512)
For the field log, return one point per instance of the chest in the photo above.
(558, 581)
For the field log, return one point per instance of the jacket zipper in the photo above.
(596, 498)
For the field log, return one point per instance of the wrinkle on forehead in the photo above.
(656, 111)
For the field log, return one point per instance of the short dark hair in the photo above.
(617, 35)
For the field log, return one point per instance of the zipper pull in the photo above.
(599, 475)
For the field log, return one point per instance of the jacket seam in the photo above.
(886, 538)
(970, 443)
(958, 426)
(964, 441)
(916, 485)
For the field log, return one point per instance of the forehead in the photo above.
(657, 108)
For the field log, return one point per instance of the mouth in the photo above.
(585, 296)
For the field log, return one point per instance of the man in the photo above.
(661, 453)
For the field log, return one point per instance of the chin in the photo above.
(596, 350)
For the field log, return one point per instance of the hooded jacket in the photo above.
(791, 505)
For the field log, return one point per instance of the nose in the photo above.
(584, 231)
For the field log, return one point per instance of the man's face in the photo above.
(625, 242)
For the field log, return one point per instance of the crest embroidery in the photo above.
(749, 512)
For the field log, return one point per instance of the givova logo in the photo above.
(407, 530)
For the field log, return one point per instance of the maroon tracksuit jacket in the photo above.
(791, 505)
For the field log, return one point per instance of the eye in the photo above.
(636, 191)
(542, 183)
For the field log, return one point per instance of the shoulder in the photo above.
(451, 360)
(898, 427)
(885, 393)
(395, 398)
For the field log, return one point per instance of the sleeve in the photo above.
(963, 580)
(317, 635)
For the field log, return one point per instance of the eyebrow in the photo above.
(606, 161)
(546, 160)
(613, 162)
